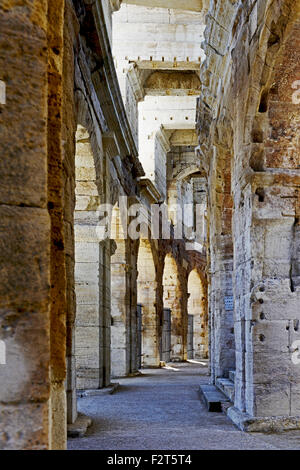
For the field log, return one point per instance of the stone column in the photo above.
(147, 287)
(120, 313)
(174, 300)
(221, 258)
(266, 247)
(32, 378)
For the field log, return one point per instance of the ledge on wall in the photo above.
(265, 424)
(79, 428)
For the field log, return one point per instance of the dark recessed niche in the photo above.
(263, 105)
(262, 316)
(262, 338)
(260, 192)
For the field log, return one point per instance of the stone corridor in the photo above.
(161, 410)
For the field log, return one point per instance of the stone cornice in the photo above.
(163, 139)
(149, 190)
(135, 82)
(107, 87)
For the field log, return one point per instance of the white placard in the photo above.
(2, 92)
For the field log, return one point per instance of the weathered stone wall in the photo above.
(246, 117)
(196, 307)
(56, 294)
(32, 395)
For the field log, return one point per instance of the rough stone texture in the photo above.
(246, 115)
(76, 129)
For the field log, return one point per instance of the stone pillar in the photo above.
(92, 271)
(221, 258)
(173, 299)
(147, 286)
(266, 247)
(197, 308)
(120, 313)
(124, 333)
(267, 308)
(150, 344)
(32, 378)
(89, 254)
(105, 315)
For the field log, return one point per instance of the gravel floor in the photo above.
(161, 410)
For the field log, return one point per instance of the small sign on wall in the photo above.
(2, 353)
(2, 92)
(229, 302)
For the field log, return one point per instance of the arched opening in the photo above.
(172, 300)
(146, 289)
(197, 328)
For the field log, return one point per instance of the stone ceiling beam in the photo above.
(191, 5)
(168, 65)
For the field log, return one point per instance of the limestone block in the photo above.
(269, 336)
(87, 294)
(87, 338)
(88, 379)
(58, 409)
(277, 201)
(87, 314)
(285, 306)
(261, 368)
(24, 426)
(86, 252)
(87, 273)
(27, 355)
(87, 188)
(118, 362)
(85, 173)
(271, 399)
(118, 335)
(24, 256)
(23, 60)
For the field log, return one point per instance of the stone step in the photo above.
(232, 375)
(227, 387)
(109, 390)
(79, 428)
(212, 397)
